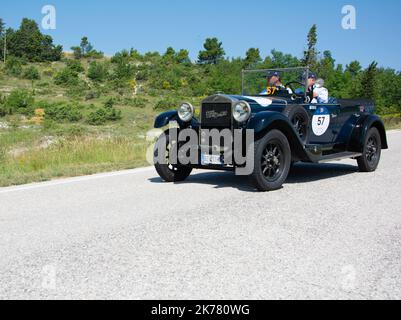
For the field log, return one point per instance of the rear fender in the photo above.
(361, 129)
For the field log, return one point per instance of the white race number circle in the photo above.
(320, 121)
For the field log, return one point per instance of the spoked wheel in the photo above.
(272, 161)
(300, 124)
(370, 158)
(167, 171)
(299, 119)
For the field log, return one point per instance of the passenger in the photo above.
(317, 93)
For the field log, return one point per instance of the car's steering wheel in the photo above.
(289, 85)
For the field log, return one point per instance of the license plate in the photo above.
(211, 159)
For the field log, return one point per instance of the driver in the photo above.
(274, 80)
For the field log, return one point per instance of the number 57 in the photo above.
(320, 121)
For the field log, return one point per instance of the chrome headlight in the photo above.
(241, 111)
(186, 112)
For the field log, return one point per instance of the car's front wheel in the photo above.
(272, 161)
(167, 171)
(370, 158)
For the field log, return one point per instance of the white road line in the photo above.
(73, 180)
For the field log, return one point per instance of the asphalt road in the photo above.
(330, 233)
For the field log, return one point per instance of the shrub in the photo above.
(97, 71)
(48, 72)
(109, 103)
(20, 101)
(31, 73)
(75, 65)
(102, 115)
(62, 113)
(97, 117)
(14, 66)
(66, 77)
(113, 114)
(92, 94)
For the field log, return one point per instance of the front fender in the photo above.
(362, 127)
(262, 122)
(163, 119)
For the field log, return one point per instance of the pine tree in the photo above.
(252, 57)
(310, 55)
(213, 52)
(368, 82)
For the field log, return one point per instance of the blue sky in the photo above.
(153, 25)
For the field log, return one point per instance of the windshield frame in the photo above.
(245, 71)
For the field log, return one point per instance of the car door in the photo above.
(323, 123)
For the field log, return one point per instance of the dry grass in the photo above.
(74, 157)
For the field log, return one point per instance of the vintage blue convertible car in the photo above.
(287, 128)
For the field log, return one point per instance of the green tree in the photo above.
(77, 52)
(86, 46)
(252, 57)
(29, 43)
(213, 52)
(311, 53)
(182, 57)
(354, 68)
(368, 82)
(280, 60)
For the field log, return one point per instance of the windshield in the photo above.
(274, 82)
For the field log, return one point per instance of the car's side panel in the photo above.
(330, 133)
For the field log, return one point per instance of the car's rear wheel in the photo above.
(167, 171)
(272, 161)
(370, 158)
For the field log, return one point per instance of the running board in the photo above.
(339, 156)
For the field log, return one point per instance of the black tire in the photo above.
(372, 148)
(299, 119)
(168, 172)
(272, 161)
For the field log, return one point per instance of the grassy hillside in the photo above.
(34, 147)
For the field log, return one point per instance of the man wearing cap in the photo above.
(274, 80)
(316, 92)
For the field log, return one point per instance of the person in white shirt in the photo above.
(316, 91)
(321, 94)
